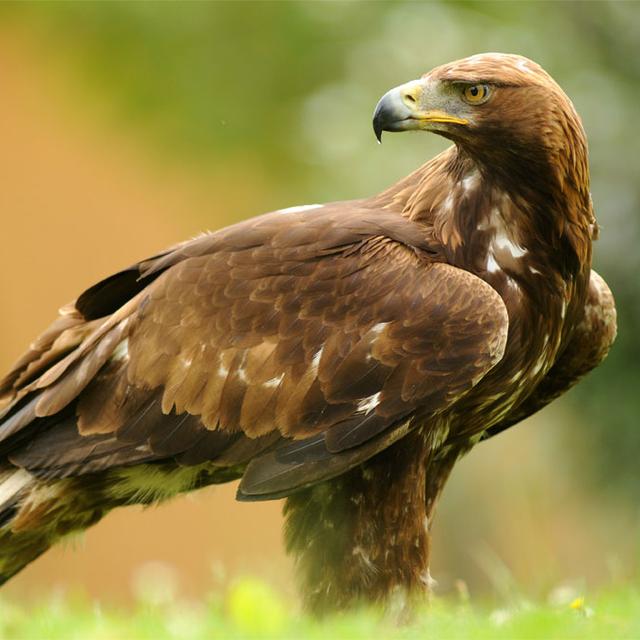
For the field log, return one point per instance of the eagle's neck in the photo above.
(529, 238)
(531, 225)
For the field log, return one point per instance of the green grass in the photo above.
(250, 609)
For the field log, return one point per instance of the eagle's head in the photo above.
(490, 105)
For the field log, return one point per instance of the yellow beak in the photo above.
(410, 106)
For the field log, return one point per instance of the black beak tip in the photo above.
(377, 129)
(381, 117)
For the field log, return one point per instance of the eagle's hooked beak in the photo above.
(410, 106)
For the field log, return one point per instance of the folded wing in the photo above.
(289, 348)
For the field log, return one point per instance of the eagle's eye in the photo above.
(476, 93)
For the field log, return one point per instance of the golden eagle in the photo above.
(343, 356)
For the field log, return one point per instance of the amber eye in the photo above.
(476, 93)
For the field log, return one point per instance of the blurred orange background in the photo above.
(79, 201)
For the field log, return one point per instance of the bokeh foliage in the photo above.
(251, 609)
(292, 86)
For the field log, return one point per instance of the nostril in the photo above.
(409, 98)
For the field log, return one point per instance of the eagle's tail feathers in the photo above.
(34, 514)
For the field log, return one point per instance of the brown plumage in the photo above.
(344, 356)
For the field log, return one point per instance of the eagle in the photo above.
(343, 356)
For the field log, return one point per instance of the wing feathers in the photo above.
(298, 344)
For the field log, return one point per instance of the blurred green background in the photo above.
(125, 127)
